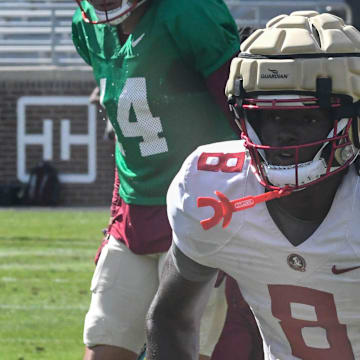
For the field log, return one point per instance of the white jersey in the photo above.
(306, 299)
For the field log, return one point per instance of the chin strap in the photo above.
(225, 207)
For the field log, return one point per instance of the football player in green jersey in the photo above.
(161, 66)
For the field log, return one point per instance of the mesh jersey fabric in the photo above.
(153, 88)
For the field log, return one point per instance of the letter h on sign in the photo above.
(45, 139)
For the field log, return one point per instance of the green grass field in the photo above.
(46, 264)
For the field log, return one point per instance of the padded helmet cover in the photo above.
(294, 50)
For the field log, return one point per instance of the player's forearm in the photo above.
(170, 339)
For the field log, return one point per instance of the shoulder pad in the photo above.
(216, 167)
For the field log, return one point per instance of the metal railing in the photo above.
(256, 13)
(37, 33)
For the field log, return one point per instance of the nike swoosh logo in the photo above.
(135, 42)
(344, 270)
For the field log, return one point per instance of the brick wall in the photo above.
(45, 115)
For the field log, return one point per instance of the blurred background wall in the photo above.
(45, 113)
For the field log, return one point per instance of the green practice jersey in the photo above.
(153, 87)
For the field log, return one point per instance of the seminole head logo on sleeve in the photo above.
(300, 61)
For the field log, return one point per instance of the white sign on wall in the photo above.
(67, 140)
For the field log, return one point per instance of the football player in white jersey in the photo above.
(284, 219)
